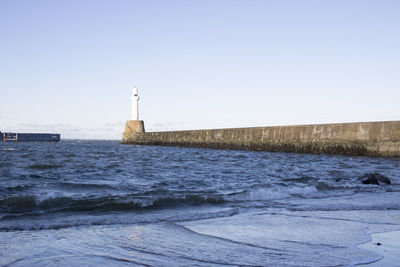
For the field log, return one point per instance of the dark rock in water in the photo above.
(378, 244)
(374, 178)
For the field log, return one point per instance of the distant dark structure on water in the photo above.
(29, 137)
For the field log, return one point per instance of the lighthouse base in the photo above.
(132, 127)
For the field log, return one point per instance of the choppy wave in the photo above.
(103, 178)
(44, 166)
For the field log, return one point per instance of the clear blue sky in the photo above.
(68, 66)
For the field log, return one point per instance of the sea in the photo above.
(100, 203)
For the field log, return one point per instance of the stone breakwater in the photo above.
(380, 139)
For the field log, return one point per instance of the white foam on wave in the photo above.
(272, 193)
(43, 196)
(307, 190)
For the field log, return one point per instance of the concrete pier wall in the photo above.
(362, 138)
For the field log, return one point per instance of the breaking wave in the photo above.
(52, 204)
(29, 204)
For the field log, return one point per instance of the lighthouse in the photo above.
(133, 126)
(135, 104)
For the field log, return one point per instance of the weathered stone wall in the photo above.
(363, 138)
(132, 127)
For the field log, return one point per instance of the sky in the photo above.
(69, 66)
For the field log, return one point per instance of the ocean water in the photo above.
(89, 203)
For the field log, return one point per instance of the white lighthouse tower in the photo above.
(135, 104)
(134, 126)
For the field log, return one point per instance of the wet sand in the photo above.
(388, 246)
